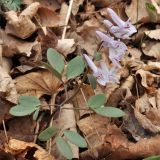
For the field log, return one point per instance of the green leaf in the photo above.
(19, 110)
(92, 81)
(64, 148)
(75, 138)
(75, 67)
(35, 115)
(29, 101)
(11, 4)
(47, 134)
(109, 112)
(55, 60)
(152, 12)
(153, 158)
(97, 101)
(51, 69)
(150, 6)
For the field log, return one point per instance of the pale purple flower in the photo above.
(108, 41)
(102, 73)
(117, 48)
(123, 30)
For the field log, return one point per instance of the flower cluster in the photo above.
(117, 49)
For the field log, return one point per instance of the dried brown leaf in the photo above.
(17, 147)
(142, 14)
(66, 46)
(48, 17)
(153, 34)
(22, 25)
(145, 122)
(12, 46)
(117, 146)
(37, 83)
(7, 86)
(152, 49)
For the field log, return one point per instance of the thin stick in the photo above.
(5, 131)
(67, 18)
(37, 127)
(51, 121)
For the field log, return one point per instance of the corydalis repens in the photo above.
(102, 73)
(117, 49)
(123, 29)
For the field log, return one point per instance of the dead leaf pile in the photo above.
(26, 35)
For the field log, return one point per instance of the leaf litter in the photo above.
(30, 28)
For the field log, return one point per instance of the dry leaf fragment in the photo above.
(37, 83)
(88, 124)
(7, 86)
(158, 98)
(17, 147)
(117, 146)
(21, 26)
(145, 122)
(153, 34)
(48, 17)
(152, 49)
(66, 46)
(142, 104)
(142, 14)
(12, 46)
(147, 78)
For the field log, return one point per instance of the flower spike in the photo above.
(103, 74)
(123, 29)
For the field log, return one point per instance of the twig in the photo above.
(75, 93)
(51, 121)
(67, 18)
(5, 131)
(37, 127)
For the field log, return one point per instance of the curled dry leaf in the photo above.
(66, 46)
(158, 98)
(37, 83)
(153, 34)
(16, 147)
(152, 49)
(140, 35)
(142, 14)
(147, 116)
(66, 121)
(48, 17)
(50, 4)
(145, 122)
(134, 53)
(88, 124)
(131, 124)
(12, 46)
(116, 145)
(7, 86)
(142, 103)
(94, 127)
(22, 25)
(147, 78)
